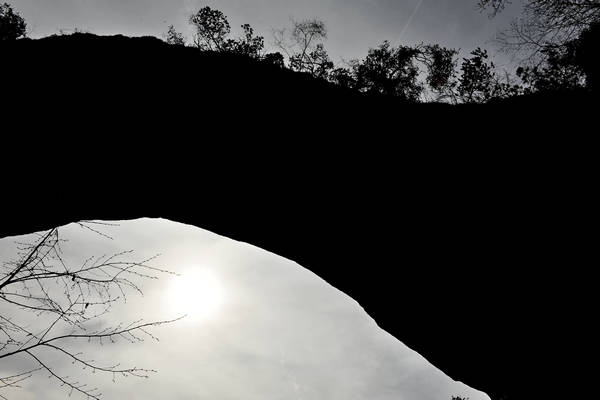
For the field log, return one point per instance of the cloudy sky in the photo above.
(354, 25)
(258, 326)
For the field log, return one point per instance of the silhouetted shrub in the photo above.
(275, 59)
(173, 37)
(213, 29)
(12, 25)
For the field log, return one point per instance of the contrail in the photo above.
(415, 11)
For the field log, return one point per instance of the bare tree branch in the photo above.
(543, 23)
(65, 298)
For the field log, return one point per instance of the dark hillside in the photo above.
(137, 78)
(455, 227)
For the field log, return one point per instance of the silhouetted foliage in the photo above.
(396, 71)
(12, 25)
(479, 82)
(555, 40)
(248, 45)
(302, 44)
(570, 66)
(587, 57)
(441, 71)
(213, 29)
(343, 77)
(411, 73)
(173, 37)
(275, 59)
(389, 71)
(316, 63)
(53, 304)
(477, 77)
(559, 72)
(544, 23)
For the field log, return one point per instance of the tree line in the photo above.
(407, 72)
(555, 39)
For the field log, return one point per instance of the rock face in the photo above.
(461, 214)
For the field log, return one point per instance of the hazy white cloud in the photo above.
(281, 332)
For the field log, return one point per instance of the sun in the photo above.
(197, 293)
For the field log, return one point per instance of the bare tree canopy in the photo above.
(304, 48)
(49, 306)
(543, 23)
(495, 5)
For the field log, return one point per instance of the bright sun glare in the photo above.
(197, 293)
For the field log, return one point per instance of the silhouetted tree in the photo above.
(441, 70)
(477, 78)
(389, 71)
(302, 44)
(343, 77)
(556, 40)
(49, 305)
(479, 82)
(12, 25)
(559, 72)
(173, 37)
(317, 62)
(544, 23)
(213, 29)
(396, 71)
(248, 45)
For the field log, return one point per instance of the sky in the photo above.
(258, 326)
(354, 26)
